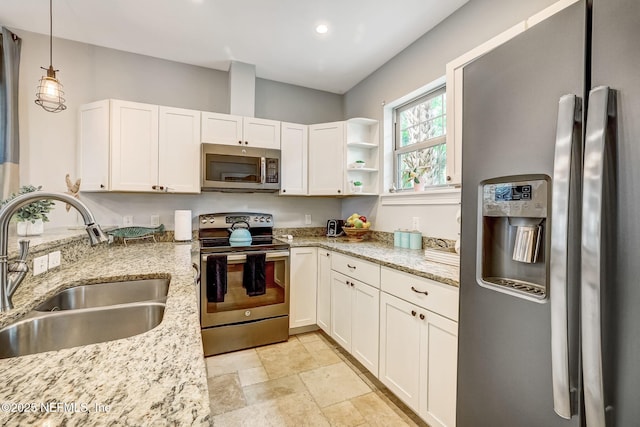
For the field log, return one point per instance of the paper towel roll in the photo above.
(182, 221)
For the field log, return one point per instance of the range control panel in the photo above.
(515, 199)
(226, 220)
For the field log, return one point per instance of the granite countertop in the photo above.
(407, 260)
(155, 378)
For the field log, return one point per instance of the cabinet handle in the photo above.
(240, 142)
(284, 190)
(154, 187)
(101, 185)
(421, 316)
(327, 254)
(347, 282)
(352, 284)
(419, 292)
(448, 178)
(353, 267)
(413, 313)
(339, 191)
(246, 143)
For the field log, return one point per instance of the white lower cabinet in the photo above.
(355, 310)
(303, 287)
(324, 290)
(418, 359)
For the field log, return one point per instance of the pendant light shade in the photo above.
(50, 95)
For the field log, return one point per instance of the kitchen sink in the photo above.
(45, 331)
(104, 294)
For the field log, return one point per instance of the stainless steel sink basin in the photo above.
(39, 332)
(104, 294)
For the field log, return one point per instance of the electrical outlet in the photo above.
(54, 259)
(155, 220)
(415, 223)
(127, 220)
(40, 264)
(307, 219)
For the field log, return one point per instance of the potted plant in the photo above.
(359, 164)
(417, 166)
(357, 187)
(31, 218)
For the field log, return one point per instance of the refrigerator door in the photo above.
(616, 63)
(509, 128)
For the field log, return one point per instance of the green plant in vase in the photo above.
(32, 216)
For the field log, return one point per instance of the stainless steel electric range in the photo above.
(244, 289)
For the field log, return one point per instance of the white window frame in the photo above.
(438, 195)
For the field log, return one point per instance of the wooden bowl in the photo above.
(355, 234)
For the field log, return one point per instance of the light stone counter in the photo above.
(407, 260)
(155, 378)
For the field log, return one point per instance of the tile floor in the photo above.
(306, 381)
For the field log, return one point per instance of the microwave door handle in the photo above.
(263, 170)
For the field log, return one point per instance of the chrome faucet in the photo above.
(12, 274)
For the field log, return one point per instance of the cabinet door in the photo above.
(400, 335)
(134, 146)
(303, 287)
(93, 134)
(221, 129)
(365, 318)
(326, 159)
(438, 370)
(324, 290)
(261, 133)
(294, 143)
(341, 309)
(179, 150)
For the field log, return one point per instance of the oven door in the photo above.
(231, 168)
(266, 295)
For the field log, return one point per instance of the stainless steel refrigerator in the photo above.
(550, 260)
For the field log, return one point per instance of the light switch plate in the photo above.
(40, 264)
(127, 220)
(307, 219)
(54, 259)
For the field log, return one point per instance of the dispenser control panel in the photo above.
(515, 199)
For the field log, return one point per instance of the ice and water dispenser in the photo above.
(514, 236)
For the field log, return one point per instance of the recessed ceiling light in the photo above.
(322, 29)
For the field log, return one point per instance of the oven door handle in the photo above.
(233, 256)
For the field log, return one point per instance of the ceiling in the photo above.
(278, 36)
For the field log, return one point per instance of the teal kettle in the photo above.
(240, 236)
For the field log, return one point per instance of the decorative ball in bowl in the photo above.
(355, 234)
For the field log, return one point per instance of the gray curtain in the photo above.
(9, 133)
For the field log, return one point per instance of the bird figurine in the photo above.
(73, 189)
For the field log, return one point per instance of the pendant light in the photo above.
(50, 95)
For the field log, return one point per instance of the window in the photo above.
(420, 150)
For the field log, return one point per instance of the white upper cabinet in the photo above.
(179, 150)
(326, 159)
(93, 134)
(261, 133)
(295, 145)
(130, 146)
(134, 146)
(221, 128)
(228, 129)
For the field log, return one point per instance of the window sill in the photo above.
(440, 196)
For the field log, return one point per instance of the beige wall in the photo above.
(415, 67)
(90, 73)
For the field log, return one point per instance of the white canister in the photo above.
(182, 221)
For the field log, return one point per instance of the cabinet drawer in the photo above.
(359, 269)
(429, 294)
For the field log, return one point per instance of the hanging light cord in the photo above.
(50, 33)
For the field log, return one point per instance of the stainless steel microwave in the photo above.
(240, 169)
